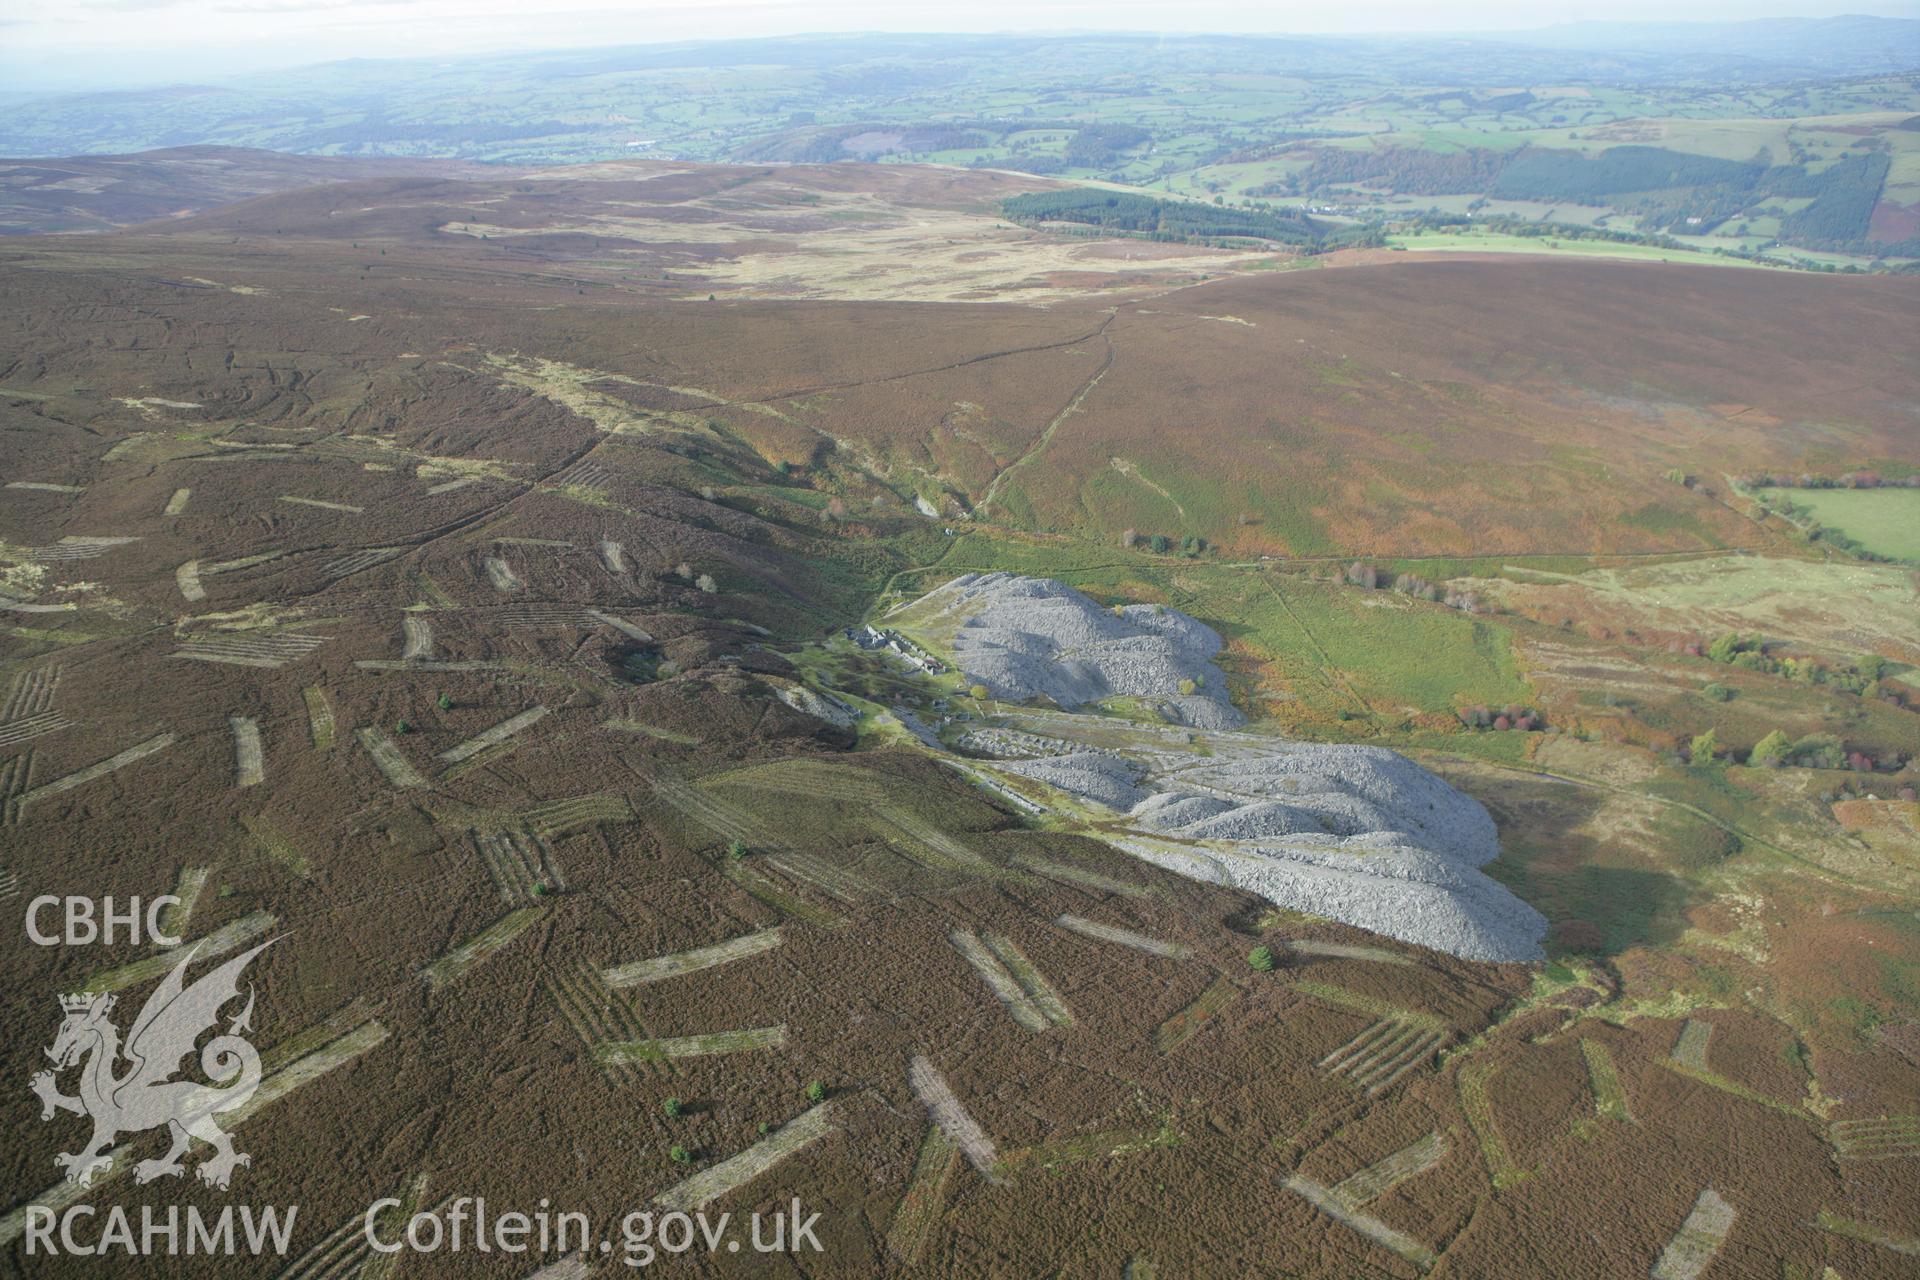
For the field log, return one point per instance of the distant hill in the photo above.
(101, 193)
(1847, 45)
(556, 106)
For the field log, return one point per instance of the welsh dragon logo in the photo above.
(130, 1088)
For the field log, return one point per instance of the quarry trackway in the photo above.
(982, 358)
(1046, 436)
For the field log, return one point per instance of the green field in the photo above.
(1884, 521)
(1320, 653)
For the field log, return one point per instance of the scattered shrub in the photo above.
(1727, 647)
(1818, 751)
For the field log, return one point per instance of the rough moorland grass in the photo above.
(1884, 521)
(1168, 494)
(1657, 517)
(1841, 606)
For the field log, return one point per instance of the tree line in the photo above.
(1160, 219)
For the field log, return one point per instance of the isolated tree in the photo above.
(1186, 688)
(978, 693)
(1704, 747)
(444, 702)
(1260, 959)
(816, 1092)
(706, 583)
(1770, 752)
(1129, 538)
(736, 849)
(402, 727)
(684, 570)
(674, 1108)
(680, 1155)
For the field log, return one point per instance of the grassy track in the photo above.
(1479, 242)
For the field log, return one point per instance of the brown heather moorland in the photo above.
(510, 550)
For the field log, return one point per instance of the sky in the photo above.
(47, 44)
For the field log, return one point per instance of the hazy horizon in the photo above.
(102, 45)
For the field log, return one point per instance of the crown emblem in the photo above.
(83, 1001)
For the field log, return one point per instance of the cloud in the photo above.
(277, 7)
